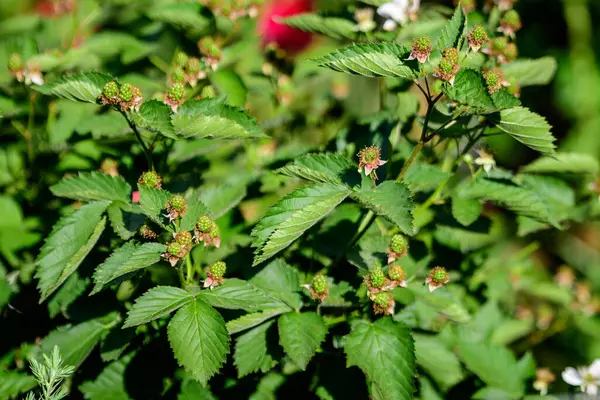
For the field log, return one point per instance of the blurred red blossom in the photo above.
(286, 38)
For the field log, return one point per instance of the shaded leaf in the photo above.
(251, 351)
(125, 219)
(74, 287)
(441, 364)
(424, 177)
(465, 210)
(153, 202)
(236, 294)
(13, 383)
(251, 320)
(110, 383)
(577, 163)
(300, 334)
(155, 303)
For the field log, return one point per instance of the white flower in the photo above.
(398, 12)
(587, 378)
(486, 160)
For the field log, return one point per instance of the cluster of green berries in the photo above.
(176, 92)
(218, 269)
(207, 231)
(493, 80)
(150, 179)
(111, 90)
(204, 224)
(15, 62)
(477, 37)
(510, 23)
(377, 278)
(396, 273)
(382, 299)
(448, 66)
(184, 238)
(438, 277)
(128, 96)
(319, 284)
(398, 243)
(174, 249)
(177, 202)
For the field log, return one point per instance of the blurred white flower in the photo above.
(398, 12)
(587, 378)
(486, 160)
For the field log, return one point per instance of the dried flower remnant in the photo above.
(369, 159)
(437, 278)
(421, 49)
(215, 274)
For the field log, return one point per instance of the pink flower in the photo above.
(369, 158)
(284, 37)
(135, 196)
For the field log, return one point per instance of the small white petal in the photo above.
(594, 369)
(572, 377)
(592, 390)
(393, 11)
(390, 25)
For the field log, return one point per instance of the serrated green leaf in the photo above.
(267, 387)
(373, 60)
(529, 72)
(221, 198)
(115, 343)
(384, 351)
(319, 168)
(84, 87)
(70, 241)
(90, 186)
(110, 383)
(281, 281)
(251, 351)
(236, 294)
(495, 365)
(527, 127)
(213, 119)
(441, 364)
(199, 339)
(77, 342)
(336, 28)
(155, 303)
(510, 330)
(125, 219)
(127, 259)
(503, 100)
(251, 320)
(470, 89)
(300, 334)
(73, 287)
(443, 302)
(390, 200)
(193, 390)
(13, 383)
(453, 31)
(577, 163)
(195, 210)
(230, 84)
(154, 116)
(465, 210)
(153, 202)
(519, 199)
(292, 216)
(424, 177)
(186, 16)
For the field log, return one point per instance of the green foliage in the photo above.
(155, 303)
(337, 28)
(454, 31)
(93, 186)
(527, 127)
(84, 87)
(300, 334)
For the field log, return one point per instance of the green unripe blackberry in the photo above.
(512, 19)
(193, 65)
(422, 44)
(439, 275)
(176, 92)
(446, 66)
(319, 284)
(492, 80)
(204, 224)
(396, 273)
(174, 248)
(150, 179)
(208, 92)
(218, 269)
(451, 54)
(180, 59)
(499, 44)
(377, 278)
(177, 202)
(398, 243)
(177, 75)
(214, 231)
(184, 238)
(478, 35)
(511, 52)
(15, 62)
(126, 92)
(111, 90)
(382, 299)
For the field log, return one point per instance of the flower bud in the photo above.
(397, 274)
(177, 75)
(204, 224)
(377, 278)
(398, 248)
(493, 81)
(180, 59)
(15, 62)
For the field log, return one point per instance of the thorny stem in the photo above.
(147, 152)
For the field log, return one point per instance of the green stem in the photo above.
(180, 273)
(147, 151)
(410, 160)
(190, 268)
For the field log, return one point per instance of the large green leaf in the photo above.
(236, 294)
(125, 219)
(89, 186)
(293, 215)
(85, 87)
(390, 200)
(70, 241)
(435, 358)
(199, 339)
(528, 72)
(337, 28)
(13, 383)
(527, 127)
(251, 351)
(466, 210)
(319, 168)
(186, 16)
(519, 199)
(195, 210)
(154, 116)
(127, 259)
(213, 119)
(384, 351)
(470, 89)
(193, 390)
(73, 287)
(424, 177)
(577, 163)
(300, 334)
(254, 319)
(153, 202)
(454, 30)
(281, 281)
(110, 383)
(221, 198)
(77, 342)
(155, 303)
(495, 365)
(371, 59)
